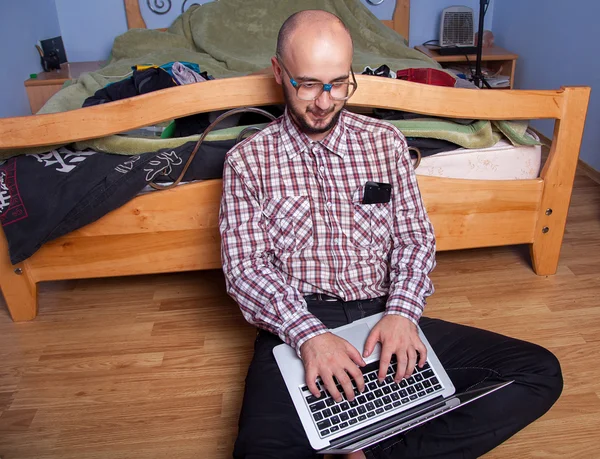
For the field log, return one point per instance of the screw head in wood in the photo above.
(548, 211)
(545, 229)
(18, 271)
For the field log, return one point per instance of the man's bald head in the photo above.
(307, 22)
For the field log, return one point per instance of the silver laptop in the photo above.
(383, 409)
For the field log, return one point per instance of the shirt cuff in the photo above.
(406, 305)
(301, 327)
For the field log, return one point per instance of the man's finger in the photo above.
(412, 360)
(372, 340)
(357, 376)
(384, 362)
(402, 361)
(311, 377)
(422, 353)
(331, 387)
(346, 383)
(355, 355)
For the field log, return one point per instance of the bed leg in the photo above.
(17, 285)
(558, 175)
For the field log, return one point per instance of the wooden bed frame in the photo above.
(176, 230)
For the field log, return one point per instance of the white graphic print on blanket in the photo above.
(4, 193)
(163, 162)
(66, 160)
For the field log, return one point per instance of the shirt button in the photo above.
(329, 205)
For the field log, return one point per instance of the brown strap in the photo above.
(203, 136)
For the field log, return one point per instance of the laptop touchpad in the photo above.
(357, 335)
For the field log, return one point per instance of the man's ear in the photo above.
(277, 70)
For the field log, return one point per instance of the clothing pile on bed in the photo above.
(50, 191)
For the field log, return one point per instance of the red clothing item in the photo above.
(292, 223)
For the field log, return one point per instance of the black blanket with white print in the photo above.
(45, 196)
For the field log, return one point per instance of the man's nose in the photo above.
(323, 101)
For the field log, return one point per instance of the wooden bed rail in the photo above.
(257, 90)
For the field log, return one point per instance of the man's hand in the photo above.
(399, 336)
(328, 355)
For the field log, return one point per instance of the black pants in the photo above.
(270, 428)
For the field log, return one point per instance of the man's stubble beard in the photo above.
(300, 118)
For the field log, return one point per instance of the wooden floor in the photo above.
(153, 367)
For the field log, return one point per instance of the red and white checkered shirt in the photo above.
(292, 223)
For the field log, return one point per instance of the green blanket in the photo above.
(236, 37)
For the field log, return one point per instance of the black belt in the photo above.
(321, 297)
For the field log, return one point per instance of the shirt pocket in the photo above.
(289, 222)
(372, 223)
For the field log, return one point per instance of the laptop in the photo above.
(383, 409)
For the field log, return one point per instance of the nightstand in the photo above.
(40, 89)
(494, 58)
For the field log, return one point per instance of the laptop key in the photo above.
(397, 404)
(387, 390)
(395, 387)
(336, 409)
(370, 396)
(325, 432)
(419, 386)
(344, 416)
(317, 406)
(335, 420)
(312, 399)
(305, 389)
(389, 380)
(334, 429)
(370, 406)
(425, 367)
(421, 394)
(403, 393)
(379, 410)
(361, 399)
(327, 412)
(370, 414)
(427, 373)
(434, 380)
(372, 376)
(426, 383)
(372, 385)
(438, 387)
(378, 402)
(411, 380)
(343, 425)
(362, 417)
(353, 413)
(429, 390)
(344, 406)
(413, 397)
(381, 383)
(395, 396)
(387, 399)
(362, 410)
(403, 383)
(318, 416)
(411, 389)
(324, 424)
(388, 407)
(419, 377)
(329, 401)
(405, 400)
(353, 421)
(378, 393)
(390, 370)
(354, 403)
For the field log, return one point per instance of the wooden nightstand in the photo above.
(40, 89)
(494, 58)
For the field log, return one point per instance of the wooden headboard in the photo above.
(399, 22)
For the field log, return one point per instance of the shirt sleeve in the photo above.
(252, 280)
(413, 239)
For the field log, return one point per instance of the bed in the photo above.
(176, 230)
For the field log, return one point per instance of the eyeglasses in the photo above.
(312, 90)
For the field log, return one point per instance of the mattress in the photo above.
(503, 161)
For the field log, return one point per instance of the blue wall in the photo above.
(22, 24)
(89, 27)
(557, 46)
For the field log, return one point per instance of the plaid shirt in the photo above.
(292, 223)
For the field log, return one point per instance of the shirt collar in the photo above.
(295, 141)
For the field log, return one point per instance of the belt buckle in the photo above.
(323, 297)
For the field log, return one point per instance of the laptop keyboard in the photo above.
(377, 399)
